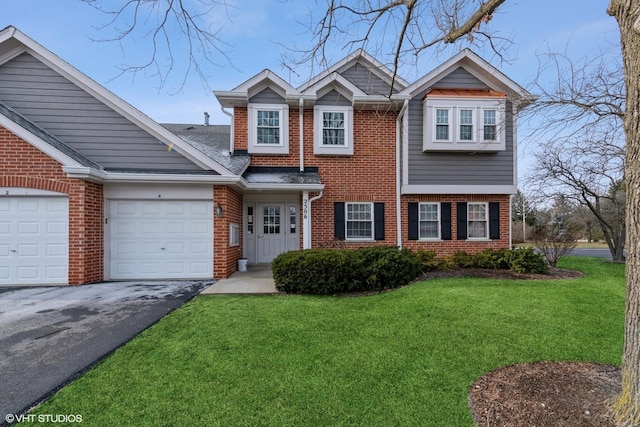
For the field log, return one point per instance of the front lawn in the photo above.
(406, 357)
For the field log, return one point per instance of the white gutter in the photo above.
(301, 127)
(399, 129)
(231, 142)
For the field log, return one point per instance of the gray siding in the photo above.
(368, 82)
(80, 120)
(460, 79)
(333, 98)
(456, 168)
(267, 96)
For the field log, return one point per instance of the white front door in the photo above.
(160, 239)
(271, 231)
(34, 240)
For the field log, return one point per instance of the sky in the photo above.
(256, 34)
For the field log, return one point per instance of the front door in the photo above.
(271, 231)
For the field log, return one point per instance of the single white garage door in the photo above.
(34, 240)
(160, 239)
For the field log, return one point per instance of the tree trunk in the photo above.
(627, 406)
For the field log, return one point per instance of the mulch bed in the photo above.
(554, 394)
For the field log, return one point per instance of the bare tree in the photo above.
(156, 22)
(556, 233)
(415, 25)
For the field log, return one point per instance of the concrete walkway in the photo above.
(258, 279)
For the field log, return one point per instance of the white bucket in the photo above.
(242, 264)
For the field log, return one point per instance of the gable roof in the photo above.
(359, 56)
(477, 67)
(14, 43)
(265, 79)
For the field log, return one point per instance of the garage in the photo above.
(160, 239)
(34, 240)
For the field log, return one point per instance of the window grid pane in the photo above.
(268, 128)
(490, 125)
(429, 221)
(466, 125)
(442, 124)
(477, 220)
(271, 219)
(333, 129)
(359, 221)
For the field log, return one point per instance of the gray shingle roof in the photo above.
(213, 141)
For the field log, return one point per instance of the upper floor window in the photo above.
(333, 130)
(442, 124)
(268, 128)
(474, 122)
(490, 125)
(466, 125)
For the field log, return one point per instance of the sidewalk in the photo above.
(258, 279)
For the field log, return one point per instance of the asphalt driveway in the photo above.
(50, 335)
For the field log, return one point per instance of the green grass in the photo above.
(406, 357)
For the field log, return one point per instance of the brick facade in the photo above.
(23, 165)
(225, 257)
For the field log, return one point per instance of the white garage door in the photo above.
(160, 239)
(34, 240)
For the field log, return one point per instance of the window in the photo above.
(234, 234)
(466, 125)
(333, 130)
(442, 124)
(292, 219)
(359, 220)
(473, 124)
(477, 221)
(268, 128)
(271, 219)
(490, 124)
(429, 221)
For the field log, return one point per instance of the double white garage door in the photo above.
(145, 240)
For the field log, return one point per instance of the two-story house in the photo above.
(91, 189)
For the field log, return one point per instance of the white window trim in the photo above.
(435, 124)
(454, 143)
(319, 148)
(346, 221)
(252, 119)
(234, 234)
(474, 125)
(486, 227)
(430, 239)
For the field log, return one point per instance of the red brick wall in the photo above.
(368, 175)
(22, 165)
(448, 247)
(225, 257)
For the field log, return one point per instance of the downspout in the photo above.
(301, 120)
(231, 144)
(306, 218)
(399, 129)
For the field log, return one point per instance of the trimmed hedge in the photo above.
(333, 271)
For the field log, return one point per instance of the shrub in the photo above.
(331, 271)
(526, 260)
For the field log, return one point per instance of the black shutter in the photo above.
(338, 220)
(413, 220)
(462, 220)
(445, 221)
(378, 217)
(494, 220)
